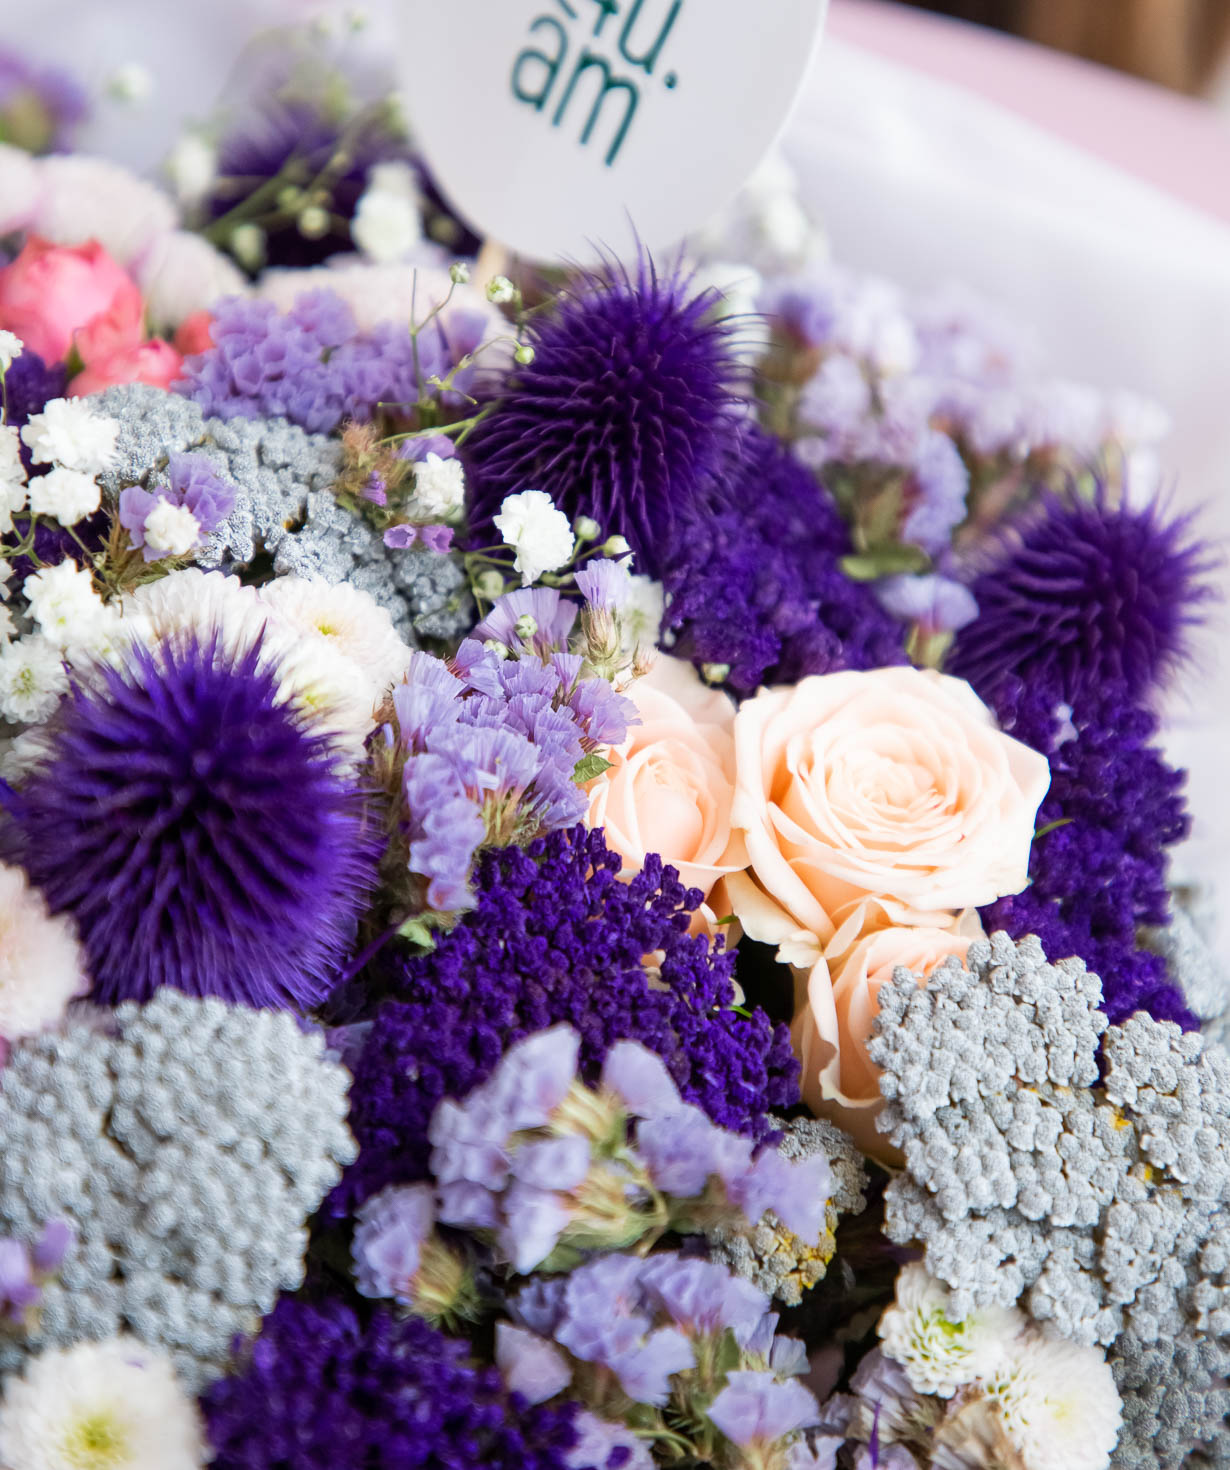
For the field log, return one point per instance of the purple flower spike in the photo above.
(388, 1241)
(532, 1367)
(754, 1408)
(52, 1246)
(937, 604)
(552, 616)
(702, 1297)
(604, 583)
(639, 1077)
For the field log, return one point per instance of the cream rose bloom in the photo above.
(671, 785)
(893, 785)
(837, 1002)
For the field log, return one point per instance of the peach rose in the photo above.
(155, 362)
(671, 783)
(839, 1001)
(892, 785)
(51, 291)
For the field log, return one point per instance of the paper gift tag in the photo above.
(564, 127)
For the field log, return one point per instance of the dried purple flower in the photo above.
(388, 1241)
(757, 1408)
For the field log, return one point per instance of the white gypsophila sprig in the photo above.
(110, 1405)
(941, 1355)
(387, 223)
(11, 466)
(32, 679)
(439, 486)
(171, 529)
(11, 347)
(1058, 1403)
(67, 496)
(70, 433)
(63, 603)
(540, 534)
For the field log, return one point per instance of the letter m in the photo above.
(607, 86)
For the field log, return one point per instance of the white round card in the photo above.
(563, 128)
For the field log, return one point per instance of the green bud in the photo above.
(526, 626)
(314, 222)
(489, 584)
(524, 354)
(459, 273)
(587, 528)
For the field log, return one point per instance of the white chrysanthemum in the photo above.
(182, 273)
(110, 1405)
(439, 486)
(387, 224)
(346, 619)
(329, 688)
(539, 533)
(41, 965)
(67, 496)
(63, 602)
(11, 348)
(194, 601)
(83, 198)
(68, 432)
(1058, 1403)
(32, 679)
(171, 528)
(939, 1355)
(19, 188)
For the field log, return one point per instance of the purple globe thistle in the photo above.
(555, 936)
(198, 831)
(760, 589)
(1087, 596)
(305, 145)
(325, 1388)
(627, 413)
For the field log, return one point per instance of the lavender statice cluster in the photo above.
(185, 1143)
(25, 1268)
(1098, 1201)
(488, 748)
(554, 936)
(673, 1345)
(312, 365)
(551, 1169)
(196, 496)
(286, 518)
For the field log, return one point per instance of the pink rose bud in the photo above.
(50, 292)
(155, 362)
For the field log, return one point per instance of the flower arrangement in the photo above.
(581, 887)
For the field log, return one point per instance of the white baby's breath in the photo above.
(538, 532)
(67, 496)
(70, 433)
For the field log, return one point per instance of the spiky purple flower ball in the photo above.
(199, 832)
(1090, 596)
(626, 414)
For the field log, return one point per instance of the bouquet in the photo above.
(583, 855)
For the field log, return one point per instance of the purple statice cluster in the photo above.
(25, 1268)
(198, 829)
(628, 413)
(327, 1384)
(760, 590)
(489, 746)
(549, 1168)
(314, 367)
(1082, 616)
(668, 1342)
(193, 483)
(554, 936)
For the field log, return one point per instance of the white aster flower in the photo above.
(68, 432)
(32, 679)
(192, 166)
(171, 528)
(67, 496)
(939, 1355)
(193, 601)
(1058, 1403)
(63, 602)
(344, 618)
(41, 965)
(181, 273)
(11, 347)
(110, 1405)
(439, 486)
(325, 686)
(386, 224)
(537, 532)
(82, 198)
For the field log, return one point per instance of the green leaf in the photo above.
(1051, 826)
(590, 766)
(884, 561)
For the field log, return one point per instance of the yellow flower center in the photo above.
(97, 1441)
